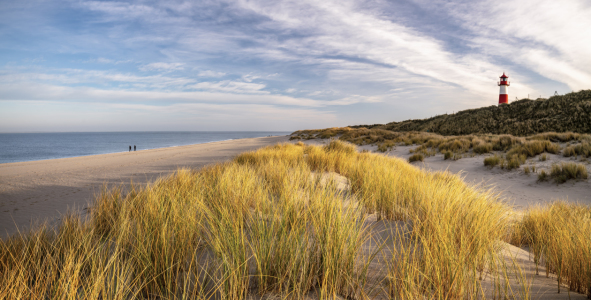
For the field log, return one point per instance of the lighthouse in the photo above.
(504, 92)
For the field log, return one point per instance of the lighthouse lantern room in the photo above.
(504, 92)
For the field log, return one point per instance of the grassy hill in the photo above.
(570, 112)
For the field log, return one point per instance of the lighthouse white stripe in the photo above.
(504, 90)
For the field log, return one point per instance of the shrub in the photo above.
(416, 157)
(543, 157)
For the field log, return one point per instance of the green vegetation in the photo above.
(570, 112)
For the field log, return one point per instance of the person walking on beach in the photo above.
(133, 147)
(129, 148)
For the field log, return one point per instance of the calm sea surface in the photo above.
(17, 147)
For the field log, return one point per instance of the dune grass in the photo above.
(516, 149)
(276, 221)
(559, 235)
(583, 149)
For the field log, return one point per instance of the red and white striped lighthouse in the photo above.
(504, 92)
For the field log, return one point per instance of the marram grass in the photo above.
(280, 222)
(559, 235)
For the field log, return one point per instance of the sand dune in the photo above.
(31, 192)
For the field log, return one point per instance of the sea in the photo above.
(19, 147)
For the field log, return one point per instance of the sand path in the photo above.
(31, 192)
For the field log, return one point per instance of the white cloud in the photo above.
(212, 74)
(550, 37)
(161, 66)
(231, 87)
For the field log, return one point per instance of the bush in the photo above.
(543, 157)
(416, 157)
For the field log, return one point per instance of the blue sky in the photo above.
(278, 65)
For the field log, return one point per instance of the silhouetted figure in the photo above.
(129, 148)
(133, 147)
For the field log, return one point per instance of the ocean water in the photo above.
(18, 147)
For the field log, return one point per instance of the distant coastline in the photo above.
(24, 147)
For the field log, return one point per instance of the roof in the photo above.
(504, 76)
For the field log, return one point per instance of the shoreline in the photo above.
(168, 146)
(43, 190)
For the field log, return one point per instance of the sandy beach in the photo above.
(32, 192)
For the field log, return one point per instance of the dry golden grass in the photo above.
(559, 235)
(565, 171)
(274, 222)
(582, 149)
(517, 149)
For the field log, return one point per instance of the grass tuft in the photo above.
(492, 161)
(565, 171)
(416, 157)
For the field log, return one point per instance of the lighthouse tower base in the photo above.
(503, 99)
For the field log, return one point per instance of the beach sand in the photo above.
(45, 190)
(37, 191)
(515, 187)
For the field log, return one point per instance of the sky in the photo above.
(76, 65)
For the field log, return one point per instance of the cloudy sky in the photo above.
(76, 65)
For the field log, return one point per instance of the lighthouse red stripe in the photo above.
(503, 98)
